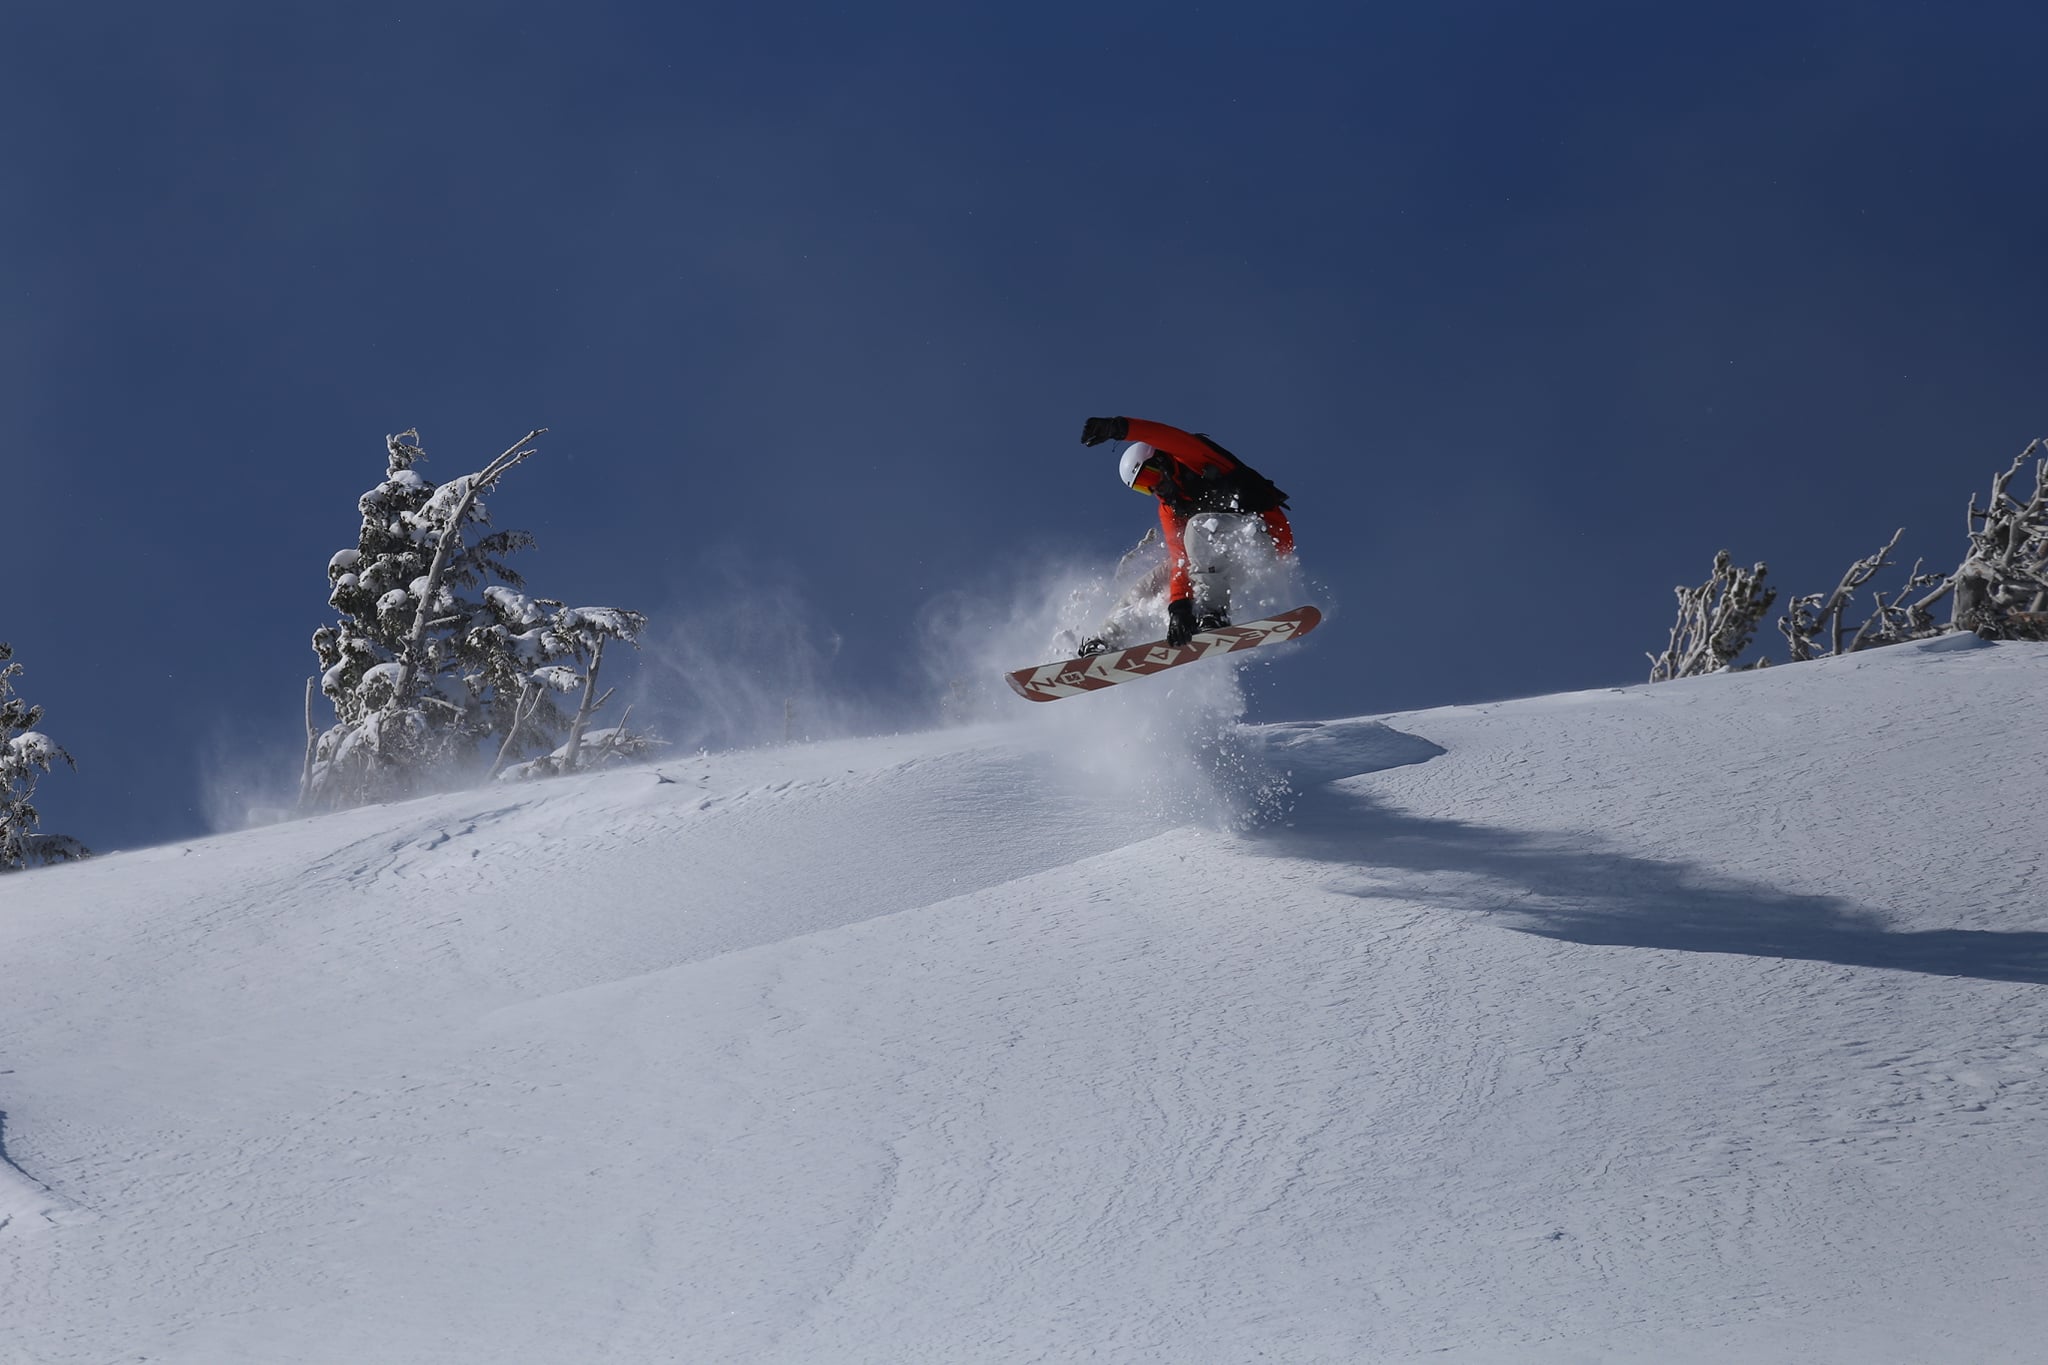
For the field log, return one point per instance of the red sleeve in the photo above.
(1173, 526)
(1282, 533)
(1187, 450)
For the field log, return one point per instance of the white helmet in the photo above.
(1135, 455)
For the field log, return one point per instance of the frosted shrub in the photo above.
(1716, 621)
(2002, 587)
(2000, 591)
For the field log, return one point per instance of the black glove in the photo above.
(1096, 430)
(1180, 622)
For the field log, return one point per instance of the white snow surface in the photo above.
(1702, 1022)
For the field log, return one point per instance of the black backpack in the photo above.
(1239, 489)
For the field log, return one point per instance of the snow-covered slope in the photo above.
(1701, 1022)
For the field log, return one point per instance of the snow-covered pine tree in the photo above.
(432, 663)
(26, 754)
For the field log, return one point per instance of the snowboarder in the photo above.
(1224, 524)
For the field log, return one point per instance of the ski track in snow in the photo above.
(1690, 1023)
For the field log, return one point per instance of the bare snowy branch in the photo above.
(1813, 616)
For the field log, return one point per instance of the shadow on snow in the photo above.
(1561, 887)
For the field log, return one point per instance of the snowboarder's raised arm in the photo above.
(1186, 449)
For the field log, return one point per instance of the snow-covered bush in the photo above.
(2002, 587)
(26, 754)
(2000, 592)
(437, 660)
(1716, 621)
(587, 749)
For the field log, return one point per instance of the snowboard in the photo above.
(1070, 677)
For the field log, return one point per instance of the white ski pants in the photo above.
(1226, 551)
(1228, 554)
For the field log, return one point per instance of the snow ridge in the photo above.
(1620, 1025)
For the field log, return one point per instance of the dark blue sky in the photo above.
(1532, 307)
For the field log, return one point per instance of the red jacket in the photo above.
(1199, 464)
